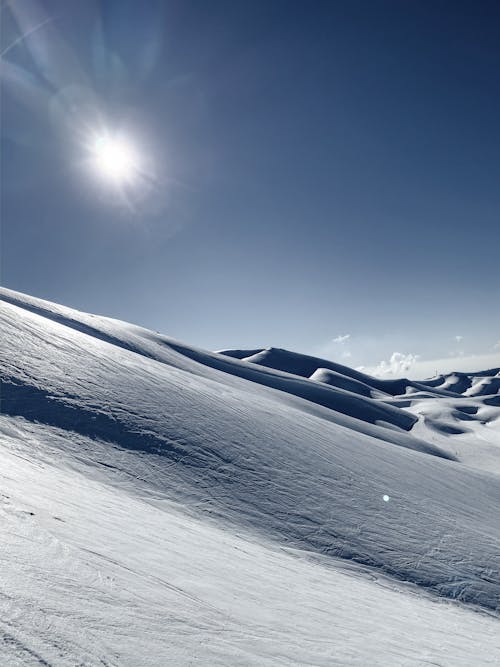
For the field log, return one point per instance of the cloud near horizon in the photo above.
(397, 364)
(421, 369)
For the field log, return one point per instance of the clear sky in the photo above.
(318, 176)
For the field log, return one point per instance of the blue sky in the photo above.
(314, 170)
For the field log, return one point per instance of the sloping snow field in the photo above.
(163, 505)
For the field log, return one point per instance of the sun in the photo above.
(115, 159)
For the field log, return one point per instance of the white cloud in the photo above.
(425, 368)
(497, 346)
(336, 348)
(397, 364)
(341, 339)
(459, 338)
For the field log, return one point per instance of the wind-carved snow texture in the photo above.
(164, 505)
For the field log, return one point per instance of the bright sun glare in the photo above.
(115, 159)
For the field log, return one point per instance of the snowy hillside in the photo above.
(164, 505)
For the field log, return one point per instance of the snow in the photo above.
(164, 505)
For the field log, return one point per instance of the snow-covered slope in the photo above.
(163, 505)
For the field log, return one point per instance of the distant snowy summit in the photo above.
(469, 384)
(402, 392)
(157, 493)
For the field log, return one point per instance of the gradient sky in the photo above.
(316, 170)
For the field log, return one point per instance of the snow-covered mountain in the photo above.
(164, 505)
